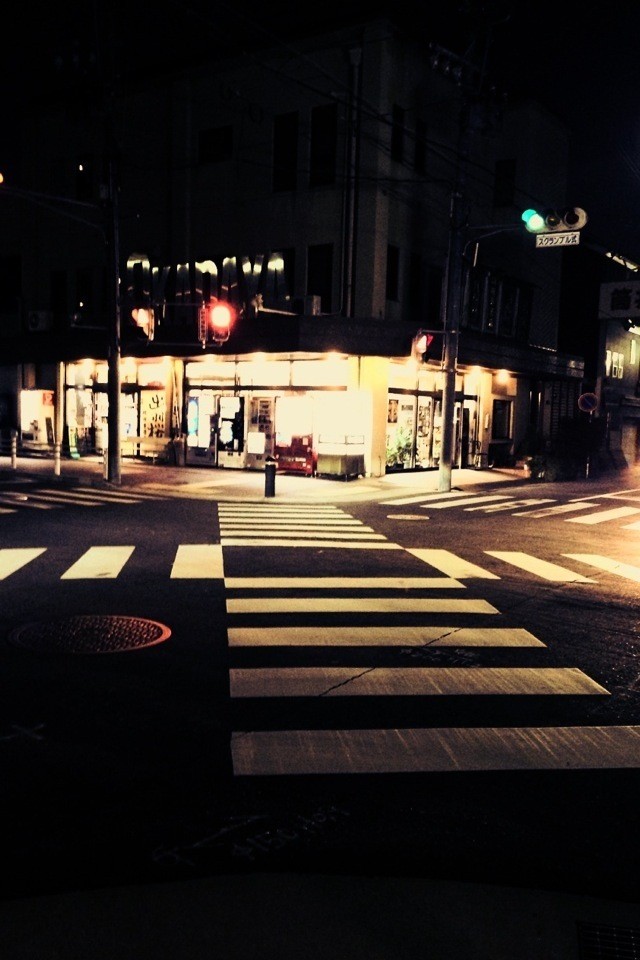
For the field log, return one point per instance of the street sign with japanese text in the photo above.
(620, 300)
(566, 239)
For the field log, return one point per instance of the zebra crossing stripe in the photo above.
(343, 583)
(552, 511)
(450, 564)
(425, 498)
(307, 605)
(625, 570)
(99, 563)
(314, 543)
(434, 750)
(541, 568)
(24, 503)
(277, 523)
(509, 505)
(604, 515)
(13, 558)
(263, 682)
(465, 503)
(373, 636)
(198, 561)
(80, 496)
(278, 510)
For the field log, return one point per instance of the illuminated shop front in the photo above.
(328, 414)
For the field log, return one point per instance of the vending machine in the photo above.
(215, 429)
(202, 418)
(260, 432)
(231, 432)
(294, 449)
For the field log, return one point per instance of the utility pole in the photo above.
(114, 460)
(452, 306)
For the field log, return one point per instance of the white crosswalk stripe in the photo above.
(52, 499)
(204, 562)
(285, 752)
(281, 525)
(604, 515)
(373, 636)
(541, 568)
(99, 563)
(625, 570)
(434, 750)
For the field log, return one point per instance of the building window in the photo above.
(501, 420)
(320, 274)
(498, 304)
(397, 133)
(617, 365)
(285, 151)
(393, 273)
(420, 152)
(504, 183)
(324, 145)
(215, 144)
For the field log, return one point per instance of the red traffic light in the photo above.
(144, 318)
(215, 321)
(421, 345)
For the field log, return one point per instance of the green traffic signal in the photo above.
(554, 221)
(533, 221)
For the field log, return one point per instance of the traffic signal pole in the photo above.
(114, 458)
(452, 307)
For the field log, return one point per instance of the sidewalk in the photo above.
(250, 484)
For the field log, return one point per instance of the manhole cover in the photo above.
(90, 634)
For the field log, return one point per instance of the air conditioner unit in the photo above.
(40, 320)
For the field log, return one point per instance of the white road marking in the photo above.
(99, 563)
(552, 511)
(411, 681)
(485, 499)
(450, 564)
(605, 515)
(541, 568)
(424, 498)
(307, 605)
(432, 750)
(314, 543)
(625, 570)
(343, 583)
(198, 561)
(381, 637)
(13, 558)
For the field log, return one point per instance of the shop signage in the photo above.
(241, 280)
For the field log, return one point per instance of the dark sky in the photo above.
(583, 62)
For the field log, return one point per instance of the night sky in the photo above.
(582, 62)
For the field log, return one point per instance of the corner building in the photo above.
(311, 186)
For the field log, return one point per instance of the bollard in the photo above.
(270, 478)
(56, 459)
(14, 449)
